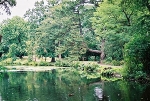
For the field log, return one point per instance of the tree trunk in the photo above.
(102, 55)
(35, 58)
(45, 59)
(59, 56)
(53, 59)
(94, 51)
(95, 58)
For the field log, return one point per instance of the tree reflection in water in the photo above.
(67, 85)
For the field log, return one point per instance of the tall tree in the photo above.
(14, 32)
(34, 16)
(137, 49)
(112, 21)
(63, 29)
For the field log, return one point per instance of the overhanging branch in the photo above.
(94, 51)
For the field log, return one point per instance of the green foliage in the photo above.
(142, 26)
(2, 69)
(108, 73)
(113, 73)
(36, 45)
(140, 75)
(43, 63)
(110, 24)
(115, 45)
(32, 63)
(8, 61)
(14, 32)
(68, 29)
(63, 63)
(89, 68)
(36, 14)
(137, 56)
(12, 51)
(116, 63)
(21, 62)
(75, 64)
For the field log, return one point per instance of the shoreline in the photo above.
(24, 68)
(31, 68)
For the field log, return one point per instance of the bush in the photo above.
(17, 62)
(2, 68)
(139, 75)
(3, 57)
(137, 55)
(8, 61)
(75, 64)
(43, 63)
(116, 63)
(63, 63)
(89, 68)
(24, 62)
(32, 63)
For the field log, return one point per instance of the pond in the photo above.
(65, 85)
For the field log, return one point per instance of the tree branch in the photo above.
(128, 17)
(2, 2)
(94, 51)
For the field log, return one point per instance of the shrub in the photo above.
(32, 63)
(43, 63)
(58, 63)
(24, 62)
(108, 73)
(7, 61)
(89, 67)
(139, 75)
(2, 68)
(137, 55)
(17, 62)
(116, 63)
(63, 63)
(75, 64)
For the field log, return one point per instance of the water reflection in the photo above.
(98, 93)
(66, 85)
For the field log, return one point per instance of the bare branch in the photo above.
(94, 51)
(3, 1)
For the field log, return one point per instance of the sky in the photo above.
(20, 9)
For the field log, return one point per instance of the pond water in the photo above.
(65, 85)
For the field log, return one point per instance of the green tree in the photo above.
(137, 50)
(34, 16)
(61, 29)
(137, 55)
(136, 24)
(14, 32)
(112, 22)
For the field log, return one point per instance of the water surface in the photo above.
(65, 85)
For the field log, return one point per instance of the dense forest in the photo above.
(108, 31)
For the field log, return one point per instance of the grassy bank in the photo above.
(89, 69)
